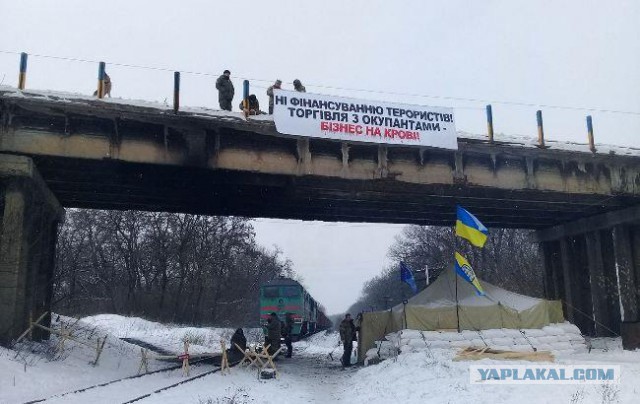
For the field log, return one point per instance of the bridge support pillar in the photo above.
(611, 298)
(577, 295)
(593, 266)
(550, 251)
(626, 272)
(600, 285)
(29, 216)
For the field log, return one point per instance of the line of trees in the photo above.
(181, 268)
(509, 259)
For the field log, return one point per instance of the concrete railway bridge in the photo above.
(61, 151)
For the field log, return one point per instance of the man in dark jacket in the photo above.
(234, 353)
(297, 85)
(275, 86)
(225, 90)
(274, 332)
(254, 106)
(288, 329)
(347, 331)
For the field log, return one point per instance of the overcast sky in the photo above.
(577, 54)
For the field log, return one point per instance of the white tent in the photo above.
(435, 308)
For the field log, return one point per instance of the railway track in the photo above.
(111, 382)
(142, 397)
(120, 385)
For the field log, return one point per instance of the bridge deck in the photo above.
(113, 155)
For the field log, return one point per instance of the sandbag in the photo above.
(552, 330)
(410, 334)
(502, 341)
(461, 344)
(511, 332)
(532, 332)
(548, 339)
(469, 334)
(568, 328)
(477, 342)
(439, 344)
(452, 336)
(492, 334)
(416, 343)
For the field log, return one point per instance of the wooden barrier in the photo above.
(475, 353)
(224, 363)
(186, 369)
(144, 361)
(66, 333)
(31, 325)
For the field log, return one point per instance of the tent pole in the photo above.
(457, 305)
(455, 274)
(404, 312)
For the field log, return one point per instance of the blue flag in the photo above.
(406, 276)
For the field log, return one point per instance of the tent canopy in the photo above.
(442, 293)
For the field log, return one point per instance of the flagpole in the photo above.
(455, 244)
(457, 304)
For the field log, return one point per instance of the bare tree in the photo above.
(509, 259)
(182, 268)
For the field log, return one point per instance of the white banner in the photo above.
(352, 120)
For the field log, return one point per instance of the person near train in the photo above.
(287, 330)
(274, 333)
(347, 335)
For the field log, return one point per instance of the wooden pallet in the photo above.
(476, 353)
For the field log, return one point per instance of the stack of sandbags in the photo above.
(383, 350)
(561, 338)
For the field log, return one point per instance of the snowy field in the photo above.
(37, 372)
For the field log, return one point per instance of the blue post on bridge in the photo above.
(245, 94)
(490, 123)
(101, 81)
(176, 92)
(592, 145)
(22, 77)
(540, 129)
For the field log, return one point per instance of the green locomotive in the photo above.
(284, 295)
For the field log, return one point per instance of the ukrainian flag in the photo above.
(470, 228)
(463, 268)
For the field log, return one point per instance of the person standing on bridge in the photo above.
(254, 106)
(297, 85)
(347, 331)
(275, 86)
(225, 90)
(107, 86)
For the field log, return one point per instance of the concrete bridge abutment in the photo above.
(593, 266)
(29, 215)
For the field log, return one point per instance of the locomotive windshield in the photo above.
(270, 291)
(291, 291)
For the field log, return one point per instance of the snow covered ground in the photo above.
(35, 372)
